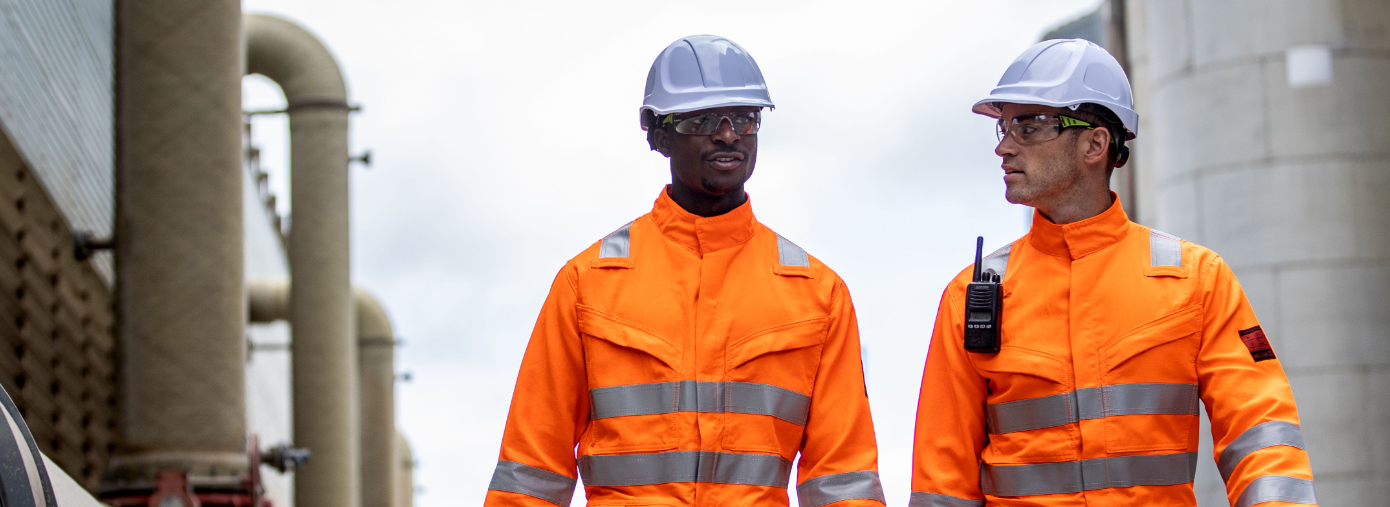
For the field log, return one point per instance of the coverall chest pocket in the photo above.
(633, 390)
(771, 374)
(1151, 389)
(1028, 412)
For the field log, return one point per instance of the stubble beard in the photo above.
(1051, 177)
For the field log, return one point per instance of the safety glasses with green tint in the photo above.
(1037, 128)
(708, 123)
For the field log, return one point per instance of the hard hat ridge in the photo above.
(702, 72)
(1065, 73)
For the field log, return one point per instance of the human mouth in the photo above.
(725, 161)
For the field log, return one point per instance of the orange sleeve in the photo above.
(550, 410)
(839, 454)
(950, 433)
(1254, 423)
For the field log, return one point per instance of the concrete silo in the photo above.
(1262, 138)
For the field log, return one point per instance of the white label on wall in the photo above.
(1309, 66)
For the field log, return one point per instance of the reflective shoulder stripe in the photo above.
(531, 481)
(685, 466)
(1164, 249)
(826, 489)
(998, 261)
(922, 499)
(1281, 488)
(1088, 474)
(1259, 436)
(1091, 403)
(788, 254)
(699, 396)
(616, 243)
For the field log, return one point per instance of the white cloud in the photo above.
(505, 140)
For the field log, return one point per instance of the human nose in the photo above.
(724, 133)
(1006, 146)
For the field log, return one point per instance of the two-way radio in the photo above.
(983, 302)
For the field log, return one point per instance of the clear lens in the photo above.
(1030, 129)
(708, 123)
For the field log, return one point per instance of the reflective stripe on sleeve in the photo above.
(617, 243)
(1259, 436)
(791, 255)
(1164, 249)
(528, 480)
(1280, 488)
(685, 466)
(1089, 474)
(699, 396)
(862, 485)
(923, 499)
(1091, 403)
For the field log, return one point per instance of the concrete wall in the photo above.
(1288, 180)
(56, 72)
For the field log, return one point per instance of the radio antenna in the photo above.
(979, 249)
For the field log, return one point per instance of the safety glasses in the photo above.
(707, 123)
(1037, 128)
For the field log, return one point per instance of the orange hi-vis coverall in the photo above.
(1110, 334)
(689, 359)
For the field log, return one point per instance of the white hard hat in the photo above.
(1065, 73)
(702, 72)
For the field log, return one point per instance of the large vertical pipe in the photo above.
(324, 351)
(405, 473)
(377, 383)
(1268, 144)
(179, 243)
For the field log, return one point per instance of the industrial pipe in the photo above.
(324, 358)
(405, 473)
(268, 301)
(179, 254)
(377, 390)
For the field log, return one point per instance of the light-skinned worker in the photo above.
(1109, 332)
(689, 356)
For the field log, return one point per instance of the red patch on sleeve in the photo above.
(1254, 339)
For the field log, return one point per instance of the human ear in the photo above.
(1097, 145)
(661, 142)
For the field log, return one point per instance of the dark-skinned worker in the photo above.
(686, 358)
(1109, 332)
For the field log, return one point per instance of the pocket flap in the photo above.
(1014, 359)
(628, 334)
(1174, 326)
(796, 335)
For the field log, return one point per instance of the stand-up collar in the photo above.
(704, 234)
(1079, 239)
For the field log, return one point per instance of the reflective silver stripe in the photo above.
(617, 243)
(24, 475)
(791, 255)
(685, 466)
(862, 485)
(528, 480)
(1280, 488)
(922, 499)
(997, 262)
(1259, 436)
(1089, 474)
(697, 396)
(1164, 249)
(1091, 403)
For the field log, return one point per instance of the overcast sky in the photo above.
(505, 140)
